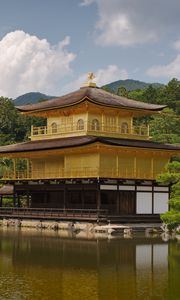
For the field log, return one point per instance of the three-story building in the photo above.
(91, 155)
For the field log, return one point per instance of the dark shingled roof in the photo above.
(97, 95)
(7, 190)
(81, 141)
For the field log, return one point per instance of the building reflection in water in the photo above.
(42, 266)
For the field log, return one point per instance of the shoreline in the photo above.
(87, 231)
(128, 228)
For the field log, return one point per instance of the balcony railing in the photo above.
(88, 128)
(85, 173)
(53, 213)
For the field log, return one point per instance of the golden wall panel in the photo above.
(96, 160)
(37, 168)
(159, 164)
(54, 167)
(143, 167)
(126, 165)
(81, 165)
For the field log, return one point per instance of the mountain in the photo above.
(131, 85)
(31, 98)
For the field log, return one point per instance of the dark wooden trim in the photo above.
(136, 196)
(28, 198)
(98, 196)
(118, 199)
(152, 199)
(65, 196)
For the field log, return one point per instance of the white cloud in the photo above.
(167, 71)
(86, 2)
(28, 63)
(110, 74)
(103, 76)
(132, 22)
(177, 45)
(119, 30)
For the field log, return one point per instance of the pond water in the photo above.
(45, 265)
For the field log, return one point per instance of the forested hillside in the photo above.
(130, 85)
(164, 127)
(31, 98)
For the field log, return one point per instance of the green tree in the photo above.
(122, 92)
(170, 95)
(15, 127)
(136, 95)
(172, 176)
(165, 127)
(150, 94)
(11, 125)
(6, 166)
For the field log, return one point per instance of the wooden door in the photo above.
(127, 203)
(109, 201)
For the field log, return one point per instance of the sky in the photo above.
(49, 46)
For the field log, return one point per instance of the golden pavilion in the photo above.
(91, 158)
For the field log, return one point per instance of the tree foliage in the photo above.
(164, 127)
(11, 124)
(14, 127)
(172, 176)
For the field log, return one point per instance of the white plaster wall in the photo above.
(144, 188)
(126, 188)
(161, 188)
(108, 187)
(160, 202)
(144, 203)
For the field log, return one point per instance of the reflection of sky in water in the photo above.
(35, 266)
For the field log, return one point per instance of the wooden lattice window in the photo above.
(80, 124)
(124, 128)
(95, 125)
(54, 127)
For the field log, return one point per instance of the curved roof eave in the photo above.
(64, 143)
(95, 95)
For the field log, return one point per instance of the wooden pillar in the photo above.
(82, 198)
(47, 198)
(147, 130)
(135, 167)
(117, 199)
(28, 202)
(131, 128)
(28, 169)
(102, 121)
(32, 130)
(14, 200)
(14, 167)
(152, 168)
(65, 198)
(117, 165)
(135, 197)
(98, 193)
(87, 125)
(152, 197)
(18, 201)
